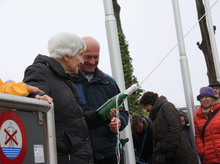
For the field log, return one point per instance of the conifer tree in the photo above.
(130, 79)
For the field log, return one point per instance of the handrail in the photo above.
(31, 104)
(23, 103)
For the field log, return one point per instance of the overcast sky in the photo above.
(148, 26)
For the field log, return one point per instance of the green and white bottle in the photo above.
(104, 110)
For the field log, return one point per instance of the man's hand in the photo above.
(35, 89)
(44, 97)
(113, 124)
(113, 112)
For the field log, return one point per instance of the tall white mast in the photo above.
(185, 72)
(117, 71)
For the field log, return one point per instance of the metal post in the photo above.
(212, 39)
(51, 136)
(185, 72)
(117, 71)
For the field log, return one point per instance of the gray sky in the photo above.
(148, 26)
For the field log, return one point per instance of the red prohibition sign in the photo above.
(10, 115)
(11, 137)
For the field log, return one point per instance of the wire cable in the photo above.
(178, 43)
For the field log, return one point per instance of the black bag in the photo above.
(209, 119)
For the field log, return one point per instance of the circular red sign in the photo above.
(9, 115)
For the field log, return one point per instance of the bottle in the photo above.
(104, 110)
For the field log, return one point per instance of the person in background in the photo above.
(22, 89)
(52, 75)
(207, 121)
(95, 88)
(186, 127)
(170, 144)
(141, 126)
(216, 87)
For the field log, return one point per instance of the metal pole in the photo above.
(185, 72)
(51, 137)
(212, 39)
(117, 71)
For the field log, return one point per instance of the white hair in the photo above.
(65, 44)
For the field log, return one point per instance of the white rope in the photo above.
(179, 42)
(118, 137)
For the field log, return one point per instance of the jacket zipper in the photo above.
(69, 156)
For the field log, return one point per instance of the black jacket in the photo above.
(70, 120)
(94, 93)
(148, 144)
(169, 139)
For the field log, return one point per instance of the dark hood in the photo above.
(158, 103)
(148, 123)
(55, 66)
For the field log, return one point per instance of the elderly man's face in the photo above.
(91, 58)
(73, 63)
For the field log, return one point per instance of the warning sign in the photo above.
(13, 138)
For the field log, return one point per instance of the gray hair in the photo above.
(9, 81)
(65, 44)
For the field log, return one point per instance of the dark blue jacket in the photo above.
(94, 93)
(187, 131)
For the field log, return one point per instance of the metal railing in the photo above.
(35, 105)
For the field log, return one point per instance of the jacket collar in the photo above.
(52, 63)
(55, 66)
(147, 123)
(158, 103)
(97, 74)
(199, 111)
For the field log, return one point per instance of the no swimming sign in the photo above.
(13, 138)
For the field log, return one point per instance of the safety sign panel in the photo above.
(13, 138)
